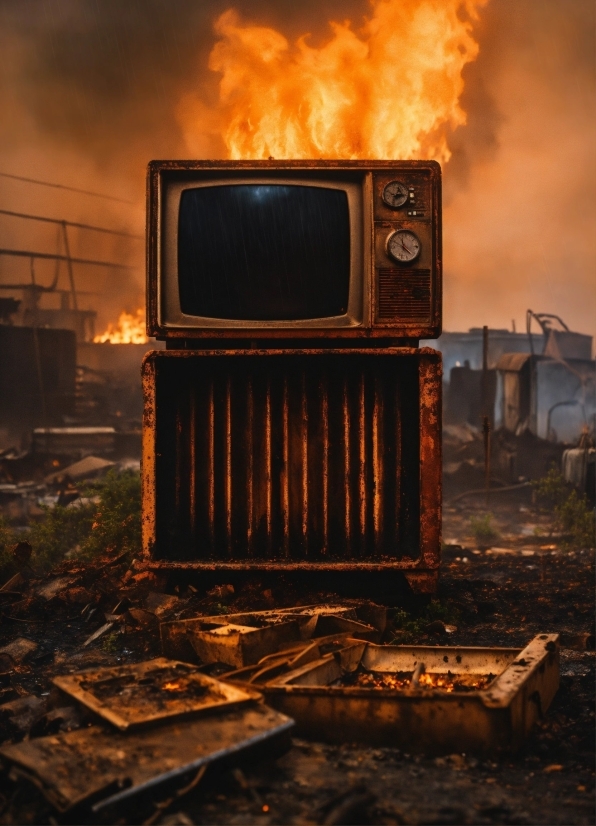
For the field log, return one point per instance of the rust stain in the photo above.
(360, 427)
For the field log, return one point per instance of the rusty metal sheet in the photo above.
(244, 639)
(281, 662)
(295, 460)
(100, 768)
(240, 645)
(129, 696)
(472, 699)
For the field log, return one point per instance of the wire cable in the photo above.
(63, 186)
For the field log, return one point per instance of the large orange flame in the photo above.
(391, 91)
(130, 329)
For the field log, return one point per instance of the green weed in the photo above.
(116, 526)
(111, 643)
(8, 538)
(484, 532)
(572, 515)
(61, 530)
(410, 628)
(106, 520)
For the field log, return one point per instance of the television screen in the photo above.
(264, 252)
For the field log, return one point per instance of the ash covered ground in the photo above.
(526, 583)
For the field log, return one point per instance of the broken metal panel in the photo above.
(133, 695)
(244, 639)
(240, 645)
(419, 718)
(105, 767)
(275, 459)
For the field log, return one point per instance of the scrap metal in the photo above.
(443, 699)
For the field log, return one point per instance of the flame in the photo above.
(392, 91)
(130, 329)
(171, 686)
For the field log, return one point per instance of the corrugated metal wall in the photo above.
(288, 456)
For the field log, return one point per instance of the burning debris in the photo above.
(395, 682)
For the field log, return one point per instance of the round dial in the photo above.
(403, 246)
(395, 194)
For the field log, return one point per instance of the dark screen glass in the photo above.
(264, 252)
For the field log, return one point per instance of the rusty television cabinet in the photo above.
(293, 424)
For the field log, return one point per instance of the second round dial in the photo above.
(403, 245)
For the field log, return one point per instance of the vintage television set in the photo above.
(324, 250)
(292, 422)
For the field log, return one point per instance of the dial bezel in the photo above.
(406, 196)
(402, 231)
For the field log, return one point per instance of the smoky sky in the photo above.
(89, 90)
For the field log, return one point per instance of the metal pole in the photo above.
(486, 433)
(69, 266)
(37, 351)
(484, 370)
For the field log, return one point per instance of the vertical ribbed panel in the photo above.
(288, 457)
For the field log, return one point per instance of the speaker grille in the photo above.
(288, 457)
(404, 294)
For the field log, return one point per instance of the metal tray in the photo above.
(98, 768)
(420, 719)
(244, 639)
(160, 689)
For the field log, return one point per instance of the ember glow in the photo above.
(445, 682)
(130, 329)
(172, 686)
(390, 90)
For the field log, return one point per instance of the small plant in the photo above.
(573, 516)
(484, 533)
(7, 540)
(61, 530)
(116, 525)
(107, 519)
(410, 628)
(111, 643)
(551, 490)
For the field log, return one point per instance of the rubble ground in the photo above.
(104, 611)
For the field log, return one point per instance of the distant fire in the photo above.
(130, 329)
(389, 90)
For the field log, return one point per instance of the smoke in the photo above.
(520, 208)
(90, 92)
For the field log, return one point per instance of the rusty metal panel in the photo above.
(473, 700)
(92, 772)
(129, 696)
(290, 458)
(244, 639)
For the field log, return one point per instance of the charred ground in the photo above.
(525, 584)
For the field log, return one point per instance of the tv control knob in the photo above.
(395, 194)
(403, 246)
